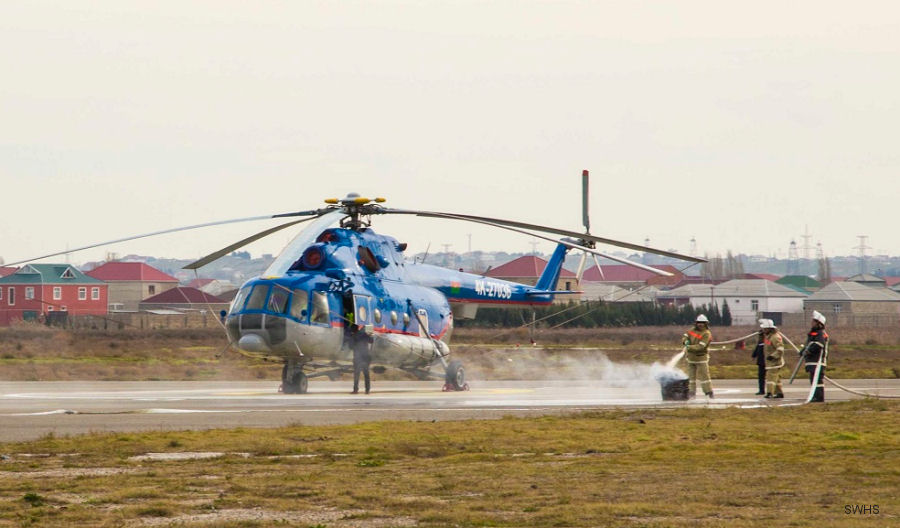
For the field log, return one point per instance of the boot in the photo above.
(709, 395)
(768, 396)
(779, 395)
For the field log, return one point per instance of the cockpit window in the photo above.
(258, 297)
(319, 309)
(278, 300)
(299, 303)
(239, 299)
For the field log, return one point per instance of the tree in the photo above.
(726, 314)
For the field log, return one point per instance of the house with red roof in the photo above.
(629, 277)
(6, 270)
(183, 299)
(131, 282)
(34, 291)
(528, 269)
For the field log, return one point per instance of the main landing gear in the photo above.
(455, 378)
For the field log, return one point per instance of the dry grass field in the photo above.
(38, 353)
(801, 466)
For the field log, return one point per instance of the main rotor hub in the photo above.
(356, 206)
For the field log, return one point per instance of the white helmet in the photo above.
(766, 323)
(818, 317)
(702, 319)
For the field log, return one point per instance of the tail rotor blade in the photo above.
(585, 189)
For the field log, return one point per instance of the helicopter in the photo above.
(339, 276)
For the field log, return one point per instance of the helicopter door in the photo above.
(362, 311)
(423, 317)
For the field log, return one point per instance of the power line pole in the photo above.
(862, 247)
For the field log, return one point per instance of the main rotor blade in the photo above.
(564, 242)
(165, 231)
(546, 229)
(226, 250)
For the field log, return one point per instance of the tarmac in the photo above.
(30, 410)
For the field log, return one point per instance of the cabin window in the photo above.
(238, 301)
(406, 319)
(258, 297)
(299, 303)
(95, 294)
(376, 314)
(29, 293)
(393, 318)
(278, 301)
(319, 309)
(82, 294)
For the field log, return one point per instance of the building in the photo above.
(802, 283)
(36, 290)
(131, 282)
(183, 299)
(600, 291)
(630, 278)
(212, 286)
(527, 270)
(6, 270)
(868, 280)
(748, 299)
(855, 304)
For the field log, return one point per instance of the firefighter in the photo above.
(759, 354)
(774, 353)
(696, 345)
(815, 354)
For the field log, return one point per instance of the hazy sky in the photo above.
(738, 123)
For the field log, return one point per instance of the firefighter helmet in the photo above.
(818, 317)
(702, 319)
(766, 324)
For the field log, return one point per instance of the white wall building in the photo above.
(748, 299)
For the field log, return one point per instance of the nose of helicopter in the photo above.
(253, 343)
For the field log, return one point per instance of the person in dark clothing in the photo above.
(816, 355)
(362, 356)
(759, 354)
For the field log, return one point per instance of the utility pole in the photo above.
(806, 246)
(862, 247)
(534, 245)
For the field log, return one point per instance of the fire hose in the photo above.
(836, 384)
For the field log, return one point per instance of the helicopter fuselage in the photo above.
(355, 276)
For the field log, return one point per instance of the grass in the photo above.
(686, 467)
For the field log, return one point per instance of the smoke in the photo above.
(577, 365)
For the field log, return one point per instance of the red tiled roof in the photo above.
(890, 281)
(129, 271)
(766, 276)
(6, 270)
(199, 283)
(528, 266)
(623, 273)
(183, 295)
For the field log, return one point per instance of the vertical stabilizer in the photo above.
(550, 276)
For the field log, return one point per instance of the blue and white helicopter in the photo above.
(338, 272)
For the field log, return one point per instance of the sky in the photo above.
(741, 125)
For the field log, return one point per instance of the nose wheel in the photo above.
(293, 381)
(455, 379)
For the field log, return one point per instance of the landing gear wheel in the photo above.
(455, 379)
(298, 384)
